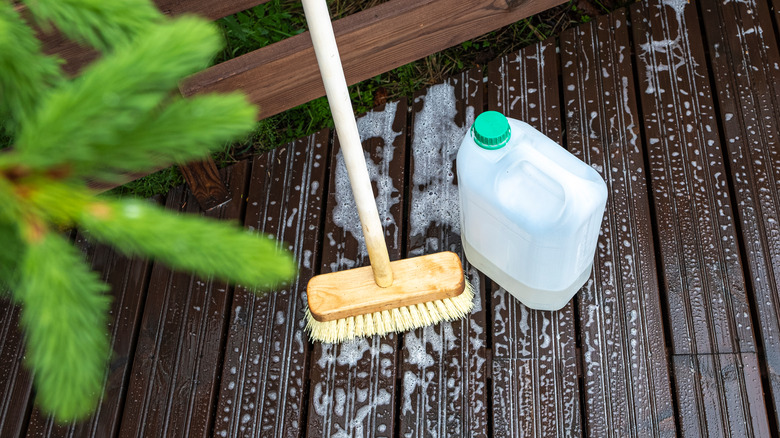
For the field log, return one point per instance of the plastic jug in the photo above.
(530, 211)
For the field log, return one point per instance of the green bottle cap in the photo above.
(491, 130)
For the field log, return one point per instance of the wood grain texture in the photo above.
(264, 376)
(205, 183)
(746, 67)
(701, 267)
(127, 279)
(179, 352)
(354, 291)
(625, 368)
(443, 367)
(15, 380)
(284, 75)
(535, 376)
(353, 384)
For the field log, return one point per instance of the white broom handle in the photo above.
(324, 41)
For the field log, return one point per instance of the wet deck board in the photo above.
(176, 365)
(701, 268)
(353, 385)
(264, 373)
(678, 112)
(746, 73)
(444, 367)
(625, 370)
(15, 380)
(535, 379)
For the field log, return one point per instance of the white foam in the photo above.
(436, 141)
(375, 124)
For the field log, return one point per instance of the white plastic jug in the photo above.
(530, 211)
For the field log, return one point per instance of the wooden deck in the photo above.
(677, 332)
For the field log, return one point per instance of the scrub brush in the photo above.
(387, 296)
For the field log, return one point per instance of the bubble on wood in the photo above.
(375, 124)
(435, 144)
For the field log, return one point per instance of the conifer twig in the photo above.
(83, 122)
(26, 72)
(64, 314)
(101, 24)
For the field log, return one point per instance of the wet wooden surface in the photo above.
(353, 385)
(675, 332)
(626, 388)
(534, 352)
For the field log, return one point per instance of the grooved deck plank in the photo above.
(443, 367)
(701, 267)
(746, 67)
(535, 389)
(127, 278)
(15, 380)
(263, 380)
(625, 368)
(353, 385)
(720, 385)
(176, 365)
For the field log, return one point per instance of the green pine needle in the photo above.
(82, 119)
(184, 130)
(188, 242)
(65, 316)
(26, 72)
(99, 23)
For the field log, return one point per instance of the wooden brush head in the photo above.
(354, 292)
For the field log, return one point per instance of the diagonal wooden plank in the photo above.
(265, 367)
(535, 381)
(353, 385)
(127, 278)
(701, 267)
(179, 351)
(15, 380)
(627, 388)
(283, 75)
(746, 71)
(444, 367)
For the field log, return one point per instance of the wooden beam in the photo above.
(285, 74)
(205, 183)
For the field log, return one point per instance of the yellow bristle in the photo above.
(393, 320)
(432, 312)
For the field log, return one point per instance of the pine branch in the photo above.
(99, 23)
(189, 242)
(64, 315)
(184, 130)
(97, 110)
(182, 241)
(26, 72)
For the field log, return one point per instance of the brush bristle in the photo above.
(390, 321)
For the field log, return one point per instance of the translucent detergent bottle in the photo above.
(530, 211)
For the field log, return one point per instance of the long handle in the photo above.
(321, 30)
